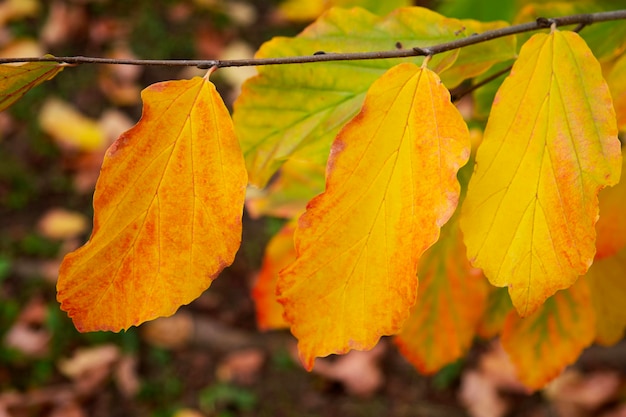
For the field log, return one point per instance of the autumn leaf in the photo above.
(451, 300)
(17, 80)
(606, 40)
(544, 343)
(549, 146)
(390, 185)
(611, 226)
(608, 292)
(295, 111)
(279, 253)
(616, 79)
(168, 208)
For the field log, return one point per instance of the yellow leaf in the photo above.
(279, 253)
(16, 80)
(549, 146)
(390, 185)
(451, 300)
(608, 293)
(168, 208)
(544, 343)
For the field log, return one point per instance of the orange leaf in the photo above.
(544, 343)
(608, 292)
(168, 208)
(450, 302)
(17, 80)
(611, 226)
(279, 253)
(498, 308)
(549, 146)
(391, 184)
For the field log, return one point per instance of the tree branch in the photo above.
(320, 56)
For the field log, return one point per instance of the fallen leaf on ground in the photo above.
(574, 393)
(28, 334)
(69, 127)
(172, 332)
(126, 376)
(242, 367)
(481, 388)
(359, 372)
(479, 395)
(90, 367)
(66, 20)
(68, 409)
(59, 223)
(84, 360)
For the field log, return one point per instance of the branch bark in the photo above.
(320, 56)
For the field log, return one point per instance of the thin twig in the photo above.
(457, 95)
(540, 23)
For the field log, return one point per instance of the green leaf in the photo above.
(17, 80)
(481, 10)
(296, 110)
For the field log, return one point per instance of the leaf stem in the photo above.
(540, 23)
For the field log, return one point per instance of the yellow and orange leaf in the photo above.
(168, 208)
(606, 279)
(451, 300)
(279, 253)
(17, 80)
(390, 185)
(549, 146)
(611, 226)
(544, 343)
